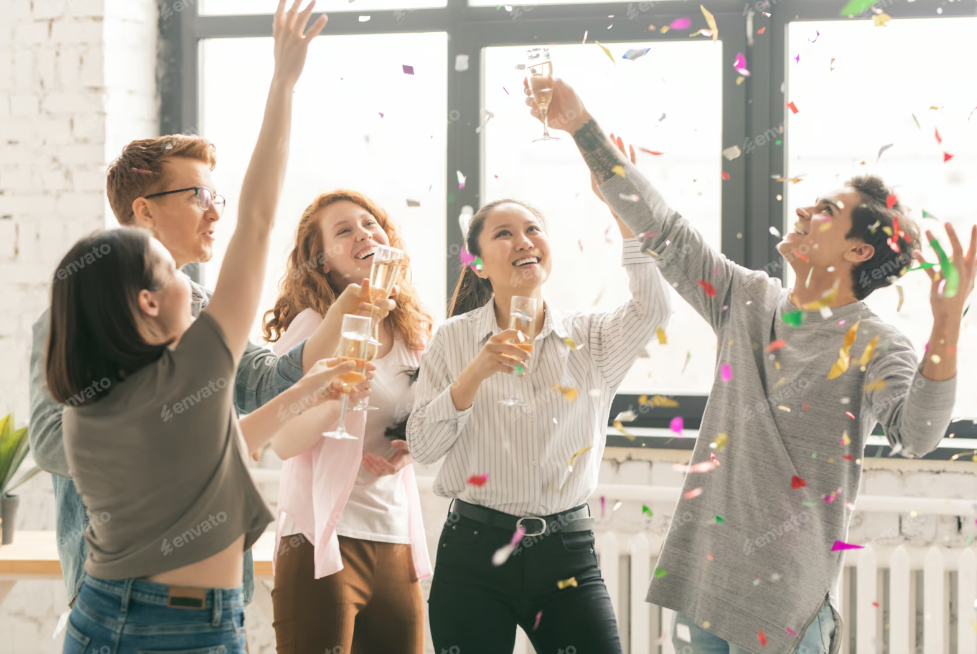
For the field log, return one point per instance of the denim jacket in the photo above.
(260, 377)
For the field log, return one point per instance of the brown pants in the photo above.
(373, 605)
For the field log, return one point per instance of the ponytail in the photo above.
(473, 292)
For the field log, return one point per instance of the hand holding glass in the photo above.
(387, 263)
(352, 347)
(522, 317)
(539, 70)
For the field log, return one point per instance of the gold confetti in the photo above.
(740, 80)
(845, 438)
(576, 454)
(571, 344)
(658, 400)
(841, 365)
(867, 354)
(902, 298)
(881, 19)
(566, 583)
(662, 339)
(607, 52)
(877, 385)
(711, 22)
(935, 358)
(619, 170)
(783, 408)
(618, 425)
(826, 300)
(569, 394)
(721, 441)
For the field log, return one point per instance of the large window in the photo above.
(678, 88)
(359, 122)
(915, 100)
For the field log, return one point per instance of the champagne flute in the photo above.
(540, 73)
(384, 274)
(352, 347)
(522, 316)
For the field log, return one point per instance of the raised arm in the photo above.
(684, 258)
(238, 292)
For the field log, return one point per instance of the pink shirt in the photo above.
(316, 484)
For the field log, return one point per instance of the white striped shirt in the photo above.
(526, 451)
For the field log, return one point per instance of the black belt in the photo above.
(577, 519)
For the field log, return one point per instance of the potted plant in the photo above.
(13, 450)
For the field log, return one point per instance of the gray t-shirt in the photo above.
(757, 551)
(160, 463)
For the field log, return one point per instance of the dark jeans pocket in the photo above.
(577, 541)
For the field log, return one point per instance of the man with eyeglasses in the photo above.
(164, 185)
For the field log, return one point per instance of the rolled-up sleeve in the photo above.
(435, 424)
(261, 375)
(618, 336)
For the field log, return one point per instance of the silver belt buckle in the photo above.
(542, 520)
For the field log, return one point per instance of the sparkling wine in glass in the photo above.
(522, 316)
(387, 264)
(353, 346)
(540, 73)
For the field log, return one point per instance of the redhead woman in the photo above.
(508, 468)
(351, 542)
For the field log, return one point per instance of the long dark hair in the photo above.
(473, 292)
(94, 335)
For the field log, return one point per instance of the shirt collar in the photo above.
(486, 325)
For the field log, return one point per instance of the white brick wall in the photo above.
(77, 82)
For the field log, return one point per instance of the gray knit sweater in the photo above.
(766, 562)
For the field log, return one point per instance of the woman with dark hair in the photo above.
(523, 472)
(156, 449)
(352, 549)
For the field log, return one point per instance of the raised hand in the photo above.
(292, 39)
(379, 466)
(566, 111)
(355, 299)
(950, 308)
(498, 355)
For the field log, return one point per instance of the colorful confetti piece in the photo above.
(676, 425)
(478, 480)
(660, 572)
(569, 394)
(840, 545)
(566, 583)
(408, 70)
(607, 52)
(794, 318)
(660, 333)
(538, 616)
(796, 482)
(841, 365)
(947, 270)
(740, 64)
(726, 372)
(646, 511)
(762, 638)
(776, 345)
(708, 288)
(692, 494)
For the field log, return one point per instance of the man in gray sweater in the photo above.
(756, 567)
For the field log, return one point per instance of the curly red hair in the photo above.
(306, 286)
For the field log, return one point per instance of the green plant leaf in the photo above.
(6, 425)
(26, 477)
(13, 449)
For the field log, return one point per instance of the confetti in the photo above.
(660, 572)
(890, 200)
(629, 197)
(917, 122)
(902, 297)
(775, 232)
(408, 70)
(692, 494)
(681, 24)
(947, 270)
(478, 480)
(647, 151)
(657, 400)
(947, 156)
(841, 545)
(617, 505)
(732, 152)
(626, 416)
(633, 54)
(727, 372)
(711, 22)
(646, 511)
(792, 107)
(726, 175)
(881, 19)
(877, 385)
(486, 117)
(761, 30)
(791, 632)
(571, 344)
(584, 42)
(720, 443)
(660, 333)
(413, 203)
(569, 394)
(855, 7)
(883, 149)
(826, 300)
(796, 482)
(619, 171)
(776, 345)
(576, 454)
(143, 172)
(503, 553)
(841, 365)
(740, 64)
(461, 180)
(703, 466)
(688, 357)
(566, 583)
(607, 52)
(763, 638)
(676, 425)
(793, 318)
(708, 288)
(618, 425)
(467, 258)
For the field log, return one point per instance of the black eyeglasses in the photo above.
(205, 198)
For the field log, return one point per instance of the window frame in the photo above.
(749, 204)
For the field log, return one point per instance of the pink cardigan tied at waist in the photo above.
(316, 484)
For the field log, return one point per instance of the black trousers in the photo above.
(474, 606)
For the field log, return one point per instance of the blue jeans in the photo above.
(132, 616)
(817, 638)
